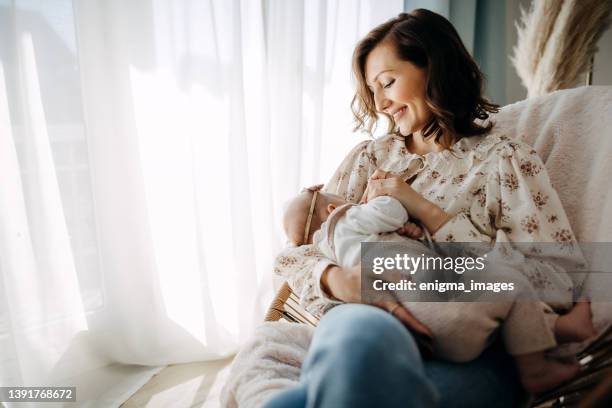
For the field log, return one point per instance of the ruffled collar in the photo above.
(479, 146)
(390, 152)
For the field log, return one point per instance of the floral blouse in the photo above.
(496, 190)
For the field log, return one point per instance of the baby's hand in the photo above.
(410, 230)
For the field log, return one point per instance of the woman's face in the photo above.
(398, 87)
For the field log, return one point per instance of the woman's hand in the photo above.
(345, 284)
(383, 183)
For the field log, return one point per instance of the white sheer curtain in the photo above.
(146, 148)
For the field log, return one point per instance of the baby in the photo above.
(461, 330)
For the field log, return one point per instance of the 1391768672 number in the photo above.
(37, 394)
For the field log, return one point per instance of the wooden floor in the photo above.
(183, 385)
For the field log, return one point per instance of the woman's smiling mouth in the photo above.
(398, 113)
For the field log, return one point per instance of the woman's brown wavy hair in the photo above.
(454, 82)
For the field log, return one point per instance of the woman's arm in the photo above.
(528, 211)
(342, 284)
(345, 284)
(302, 267)
(320, 283)
(531, 213)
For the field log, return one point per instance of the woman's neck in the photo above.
(417, 144)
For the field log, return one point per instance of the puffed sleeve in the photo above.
(303, 266)
(524, 209)
(460, 228)
(530, 212)
(351, 177)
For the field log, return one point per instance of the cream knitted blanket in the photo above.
(270, 362)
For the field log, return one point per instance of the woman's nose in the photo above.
(381, 102)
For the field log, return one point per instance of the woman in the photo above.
(465, 183)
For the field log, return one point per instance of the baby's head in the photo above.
(310, 203)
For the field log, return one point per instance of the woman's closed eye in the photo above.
(388, 84)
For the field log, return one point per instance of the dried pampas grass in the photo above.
(533, 33)
(556, 40)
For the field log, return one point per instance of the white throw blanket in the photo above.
(270, 362)
(572, 132)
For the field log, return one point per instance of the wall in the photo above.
(602, 74)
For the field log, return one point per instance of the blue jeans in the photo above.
(361, 356)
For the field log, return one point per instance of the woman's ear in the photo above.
(330, 208)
